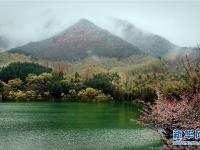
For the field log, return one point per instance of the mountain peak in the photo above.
(79, 41)
(84, 24)
(85, 21)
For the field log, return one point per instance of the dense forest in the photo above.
(31, 81)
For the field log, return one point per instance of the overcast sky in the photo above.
(28, 20)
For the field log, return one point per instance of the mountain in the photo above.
(79, 41)
(4, 43)
(150, 43)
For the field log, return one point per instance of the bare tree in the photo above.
(192, 68)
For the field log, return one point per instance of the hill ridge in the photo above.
(77, 42)
(148, 42)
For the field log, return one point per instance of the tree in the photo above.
(13, 89)
(38, 83)
(15, 84)
(192, 69)
(73, 83)
(1, 87)
(172, 114)
(56, 86)
(21, 70)
(102, 81)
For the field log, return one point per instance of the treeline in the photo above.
(21, 70)
(29, 81)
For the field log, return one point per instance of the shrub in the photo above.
(101, 97)
(73, 93)
(87, 94)
(15, 84)
(144, 92)
(194, 81)
(92, 94)
(17, 95)
(31, 95)
(173, 89)
(21, 95)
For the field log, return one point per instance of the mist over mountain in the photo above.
(151, 43)
(79, 41)
(4, 43)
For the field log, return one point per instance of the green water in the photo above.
(79, 126)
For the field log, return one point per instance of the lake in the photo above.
(74, 126)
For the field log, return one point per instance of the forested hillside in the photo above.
(7, 58)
